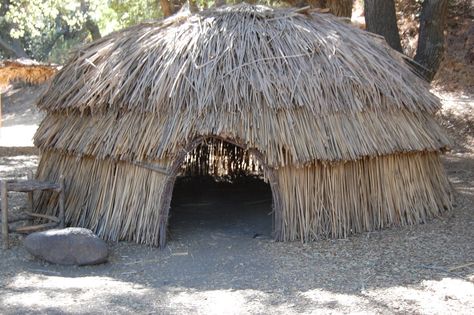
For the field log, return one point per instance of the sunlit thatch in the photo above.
(26, 71)
(343, 129)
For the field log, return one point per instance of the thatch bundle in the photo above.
(342, 128)
(26, 71)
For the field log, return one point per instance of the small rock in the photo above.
(70, 246)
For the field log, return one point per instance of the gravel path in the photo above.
(218, 267)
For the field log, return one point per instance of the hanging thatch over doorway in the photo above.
(344, 130)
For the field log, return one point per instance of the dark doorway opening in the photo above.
(220, 192)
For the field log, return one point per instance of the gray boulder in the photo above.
(70, 246)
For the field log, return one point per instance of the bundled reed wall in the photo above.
(120, 201)
(117, 200)
(340, 199)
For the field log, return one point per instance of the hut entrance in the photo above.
(220, 192)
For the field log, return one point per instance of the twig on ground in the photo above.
(461, 266)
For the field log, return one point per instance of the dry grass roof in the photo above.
(297, 86)
(27, 71)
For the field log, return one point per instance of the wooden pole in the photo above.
(0, 109)
(61, 202)
(4, 214)
(30, 193)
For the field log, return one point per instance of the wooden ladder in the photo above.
(29, 186)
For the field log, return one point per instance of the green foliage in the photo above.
(48, 29)
(39, 24)
(63, 48)
(131, 12)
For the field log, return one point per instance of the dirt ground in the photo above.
(20, 118)
(221, 260)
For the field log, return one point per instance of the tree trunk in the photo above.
(380, 19)
(340, 7)
(193, 7)
(219, 3)
(166, 8)
(90, 24)
(430, 49)
(176, 5)
(336, 7)
(93, 29)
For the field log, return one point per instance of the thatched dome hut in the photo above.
(343, 128)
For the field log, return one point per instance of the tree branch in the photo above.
(13, 50)
(90, 24)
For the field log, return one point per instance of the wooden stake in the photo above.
(460, 266)
(61, 202)
(34, 228)
(0, 110)
(30, 193)
(4, 214)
